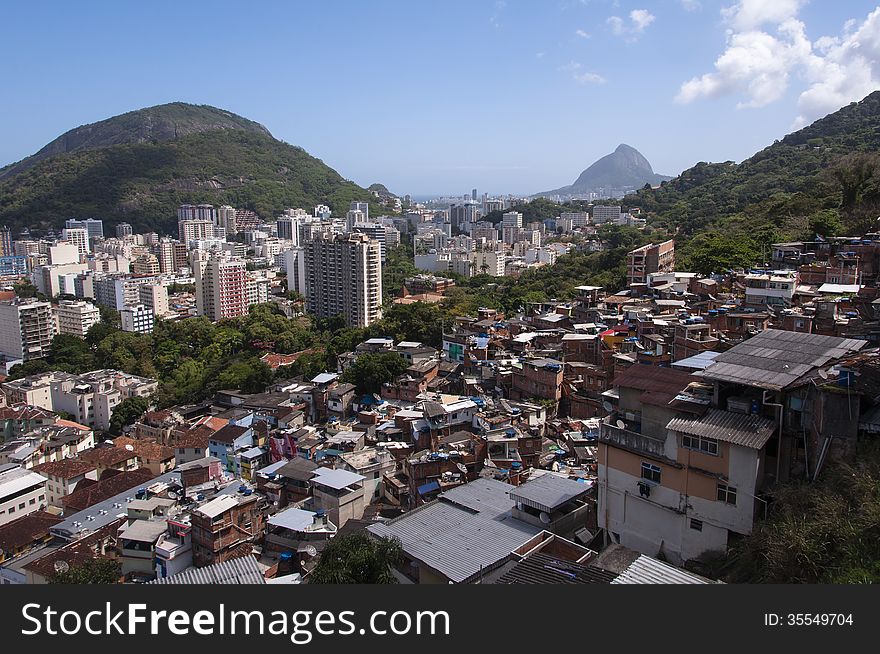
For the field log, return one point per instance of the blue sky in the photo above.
(440, 97)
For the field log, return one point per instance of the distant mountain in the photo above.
(625, 168)
(139, 166)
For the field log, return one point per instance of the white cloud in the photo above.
(691, 5)
(750, 14)
(582, 34)
(767, 48)
(616, 24)
(581, 76)
(639, 20)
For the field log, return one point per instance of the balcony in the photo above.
(630, 438)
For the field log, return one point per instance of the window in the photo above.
(726, 494)
(701, 444)
(33, 500)
(651, 472)
(696, 525)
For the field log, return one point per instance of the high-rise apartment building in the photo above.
(6, 247)
(197, 212)
(221, 288)
(295, 267)
(137, 318)
(194, 230)
(172, 255)
(344, 277)
(154, 297)
(78, 236)
(603, 214)
(146, 264)
(511, 223)
(226, 219)
(95, 228)
(26, 329)
(363, 207)
(123, 230)
(76, 317)
(376, 233)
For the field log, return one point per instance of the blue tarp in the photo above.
(429, 487)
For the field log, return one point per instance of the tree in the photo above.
(127, 413)
(852, 173)
(370, 371)
(358, 559)
(714, 253)
(825, 223)
(94, 571)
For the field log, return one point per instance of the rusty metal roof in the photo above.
(743, 429)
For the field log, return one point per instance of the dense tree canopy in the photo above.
(370, 371)
(127, 413)
(357, 559)
(94, 571)
(821, 532)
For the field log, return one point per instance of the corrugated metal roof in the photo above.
(544, 569)
(699, 361)
(467, 529)
(548, 492)
(243, 570)
(775, 359)
(738, 428)
(336, 479)
(645, 570)
(217, 506)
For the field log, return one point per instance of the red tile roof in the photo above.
(26, 530)
(66, 468)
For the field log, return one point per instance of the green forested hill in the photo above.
(117, 173)
(825, 171)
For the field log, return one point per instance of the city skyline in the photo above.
(551, 87)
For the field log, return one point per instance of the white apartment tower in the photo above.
(221, 288)
(137, 318)
(26, 329)
(344, 277)
(78, 236)
(195, 230)
(76, 317)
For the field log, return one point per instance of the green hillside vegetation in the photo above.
(143, 184)
(140, 166)
(822, 532)
(824, 176)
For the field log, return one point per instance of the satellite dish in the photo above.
(130, 447)
(172, 495)
(61, 567)
(823, 374)
(607, 406)
(545, 517)
(462, 467)
(620, 424)
(311, 551)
